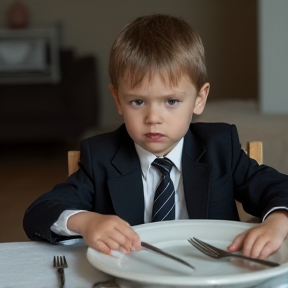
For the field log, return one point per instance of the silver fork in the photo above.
(217, 253)
(60, 263)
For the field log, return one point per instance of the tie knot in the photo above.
(164, 165)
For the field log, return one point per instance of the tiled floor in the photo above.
(26, 171)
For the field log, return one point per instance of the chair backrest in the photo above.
(254, 150)
(73, 160)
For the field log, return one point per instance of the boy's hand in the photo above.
(264, 239)
(104, 232)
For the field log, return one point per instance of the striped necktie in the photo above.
(164, 198)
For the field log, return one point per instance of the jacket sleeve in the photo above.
(75, 193)
(259, 188)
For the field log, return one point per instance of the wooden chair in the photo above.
(73, 160)
(254, 150)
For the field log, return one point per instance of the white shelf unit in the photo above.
(29, 55)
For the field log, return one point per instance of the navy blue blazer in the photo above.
(215, 173)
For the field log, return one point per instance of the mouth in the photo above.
(155, 136)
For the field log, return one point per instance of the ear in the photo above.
(201, 99)
(116, 98)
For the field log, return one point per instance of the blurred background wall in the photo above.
(228, 30)
(273, 60)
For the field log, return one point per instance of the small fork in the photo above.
(60, 263)
(217, 253)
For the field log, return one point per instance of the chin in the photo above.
(157, 151)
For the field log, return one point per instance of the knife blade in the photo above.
(163, 253)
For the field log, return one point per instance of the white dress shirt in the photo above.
(150, 178)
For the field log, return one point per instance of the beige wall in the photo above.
(228, 29)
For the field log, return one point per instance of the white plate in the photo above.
(171, 236)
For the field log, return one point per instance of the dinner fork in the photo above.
(217, 253)
(60, 263)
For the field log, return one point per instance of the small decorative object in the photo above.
(18, 15)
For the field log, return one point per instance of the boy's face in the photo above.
(156, 114)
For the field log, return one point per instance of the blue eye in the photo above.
(172, 101)
(137, 102)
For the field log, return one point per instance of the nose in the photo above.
(154, 116)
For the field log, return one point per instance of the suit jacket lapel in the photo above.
(127, 190)
(196, 178)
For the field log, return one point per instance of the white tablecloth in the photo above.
(30, 265)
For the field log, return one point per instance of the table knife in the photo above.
(163, 253)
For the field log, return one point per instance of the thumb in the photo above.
(237, 243)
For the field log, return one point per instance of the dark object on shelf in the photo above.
(17, 15)
(52, 111)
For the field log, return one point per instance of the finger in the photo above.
(121, 241)
(103, 242)
(237, 243)
(254, 242)
(101, 247)
(136, 241)
(108, 246)
(119, 236)
(269, 248)
(256, 246)
(266, 251)
(248, 243)
(136, 244)
(131, 235)
(114, 245)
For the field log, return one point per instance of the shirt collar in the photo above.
(146, 157)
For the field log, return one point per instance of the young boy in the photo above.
(158, 80)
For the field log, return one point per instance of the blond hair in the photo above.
(158, 44)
